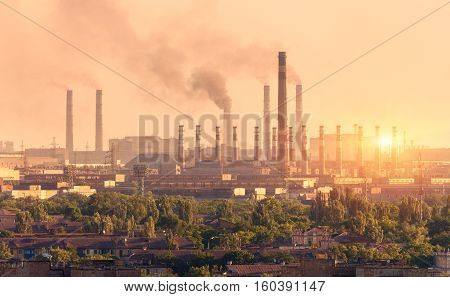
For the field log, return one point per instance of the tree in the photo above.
(225, 209)
(107, 224)
(202, 271)
(185, 211)
(171, 241)
(24, 220)
(131, 226)
(73, 213)
(149, 228)
(5, 252)
(6, 234)
(373, 230)
(59, 255)
(39, 213)
(97, 223)
(238, 257)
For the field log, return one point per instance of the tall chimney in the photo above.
(305, 166)
(360, 162)
(291, 145)
(274, 144)
(267, 122)
(218, 153)
(282, 112)
(394, 148)
(235, 145)
(227, 127)
(98, 121)
(256, 144)
(69, 124)
(198, 150)
(113, 156)
(321, 151)
(338, 150)
(298, 118)
(377, 151)
(181, 158)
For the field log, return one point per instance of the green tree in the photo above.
(39, 213)
(24, 220)
(149, 228)
(186, 211)
(225, 209)
(202, 271)
(73, 213)
(5, 252)
(171, 241)
(131, 226)
(59, 255)
(107, 225)
(238, 257)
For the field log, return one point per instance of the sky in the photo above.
(197, 56)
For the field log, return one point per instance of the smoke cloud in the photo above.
(213, 83)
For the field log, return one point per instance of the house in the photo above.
(253, 270)
(7, 220)
(315, 237)
(30, 248)
(351, 238)
(34, 191)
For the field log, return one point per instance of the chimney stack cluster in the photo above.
(98, 123)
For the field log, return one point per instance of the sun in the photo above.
(384, 142)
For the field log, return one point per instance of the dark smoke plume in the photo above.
(213, 83)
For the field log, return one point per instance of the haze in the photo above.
(163, 46)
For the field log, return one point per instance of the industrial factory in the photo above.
(284, 161)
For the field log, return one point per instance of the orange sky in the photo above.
(160, 44)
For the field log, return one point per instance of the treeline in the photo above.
(420, 226)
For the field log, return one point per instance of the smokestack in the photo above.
(394, 148)
(69, 124)
(274, 144)
(218, 154)
(181, 145)
(198, 150)
(113, 156)
(282, 112)
(377, 151)
(235, 145)
(305, 168)
(267, 122)
(360, 162)
(98, 121)
(338, 150)
(298, 118)
(227, 126)
(291, 145)
(321, 151)
(256, 151)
